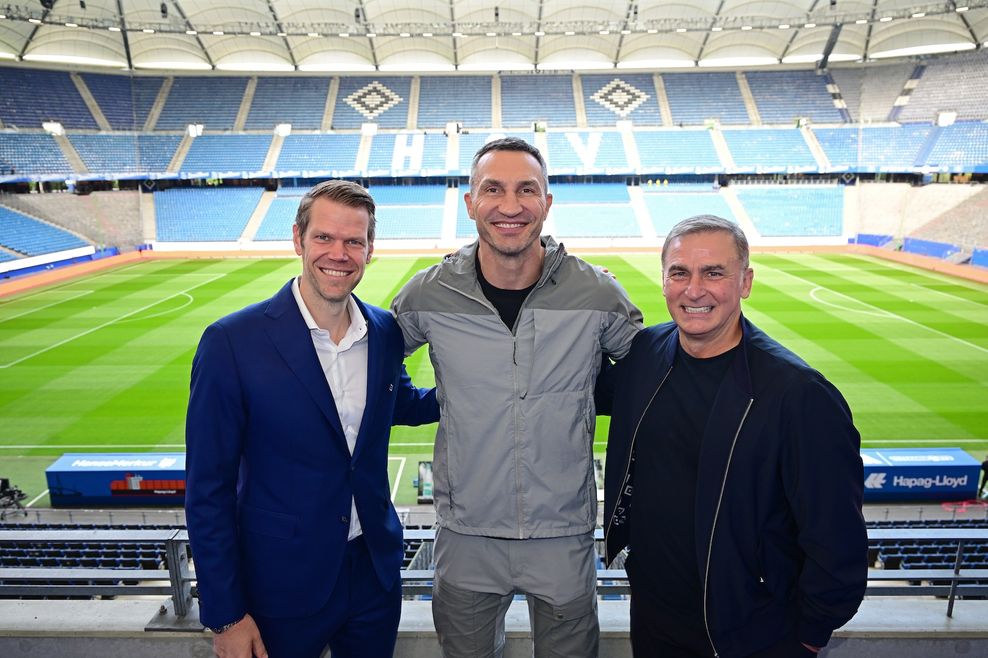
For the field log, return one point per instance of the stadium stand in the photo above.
(770, 149)
(870, 93)
(784, 96)
(466, 228)
(464, 99)
(930, 248)
(298, 101)
(407, 152)
(696, 97)
(608, 98)
(927, 554)
(124, 100)
(586, 152)
(319, 153)
(471, 142)
(119, 154)
(961, 147)
(794, 210)
(213, 102)
(277, 222)
(874, 149)
(677, 151)
(28, 236)
(33, 153)
(227, 153)
(554, 105)
(204, 214)
(665, 208)
(381, 100)
(600, 210)
(958, 84)
(409, 211)
(22, 106)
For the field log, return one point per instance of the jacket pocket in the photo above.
(265, 522)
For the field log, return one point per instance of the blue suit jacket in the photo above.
(269, 474)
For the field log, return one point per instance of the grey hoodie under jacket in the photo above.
(514, 449)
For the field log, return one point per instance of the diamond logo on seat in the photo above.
(620, 97)
(373, 100)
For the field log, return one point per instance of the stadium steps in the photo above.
(496, 102)
(927, 148)
(149, 226)
(740, 212)
(241, 120)
(723, 150)
(631, 147)
(363, 152)
(180, 153)
(43, 220)
(87, 98)
(451, 208)
(413, 103)
(749, 100)
(271, 159)
(10, 253)
(260, 212)
(581, 109)
(327, 114)
(71, 155)
(159, 105)
(646, 228)
(822, 161)
(660, 94)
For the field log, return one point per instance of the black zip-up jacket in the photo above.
(780, 538)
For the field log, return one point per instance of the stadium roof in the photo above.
(479, 35)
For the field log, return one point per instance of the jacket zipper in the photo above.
(631, 452)
(713, 528)
(547, 271)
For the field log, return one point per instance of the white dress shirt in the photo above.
(345, 368)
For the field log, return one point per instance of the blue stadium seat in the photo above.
(528, 98)
(213, 102)
(770, 150)
(795, 210)
(465, 99)
(677, 151)
(586, 152)
(124, 100)
(666, 209)
(783, 96)
(380, 100)
(32, 153)
(227, 153)
(298, 101)
(609, 98)
(29, 97)
(28, 236)
(319, 153)
(106, 153)
(204, 214)
(695, 97)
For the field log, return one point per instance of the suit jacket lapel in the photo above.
(293, 341)
(375, 360)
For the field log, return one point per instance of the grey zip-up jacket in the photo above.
(514, 450)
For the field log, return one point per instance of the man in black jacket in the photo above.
(744, 519)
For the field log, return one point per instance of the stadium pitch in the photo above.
(101, 363)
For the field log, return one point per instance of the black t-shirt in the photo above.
(507, 302)
(663, 564)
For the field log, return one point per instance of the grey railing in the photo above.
(175, 582)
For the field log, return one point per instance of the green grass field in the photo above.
(101, 363)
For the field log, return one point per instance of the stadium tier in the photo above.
(211, 102)
(124, 101)
(22, 106)
(677, 151)
(204, 214)
(466, 100)
(30, 237)
(324, 153)
(609, 98)
(794, 210)
(32, 153)
(555, 100)
(586, 152)
(666, 208)
(770, 150)
(784, 96)
(696, 97)
(244, 153)
(379, 100)
(298, 101)
(120, 154)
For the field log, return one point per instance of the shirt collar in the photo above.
(358, 325)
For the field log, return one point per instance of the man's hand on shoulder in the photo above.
(242, 640)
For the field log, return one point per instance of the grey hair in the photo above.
(709, 224)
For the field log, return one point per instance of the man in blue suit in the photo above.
(295, 540)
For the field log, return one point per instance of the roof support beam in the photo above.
(630, 15)
(34, 31)
(190, 28)
(829, 47)
(795, 33)
(706, 35)
(967, 24)
(452, 22)
(871, 27)
(281, 30)
(123, 34)
(538, 40)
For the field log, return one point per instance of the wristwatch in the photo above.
(225, 627)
